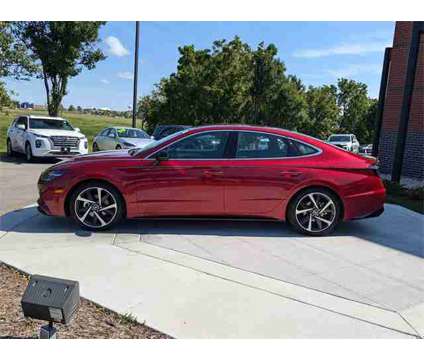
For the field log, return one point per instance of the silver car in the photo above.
(116, 138)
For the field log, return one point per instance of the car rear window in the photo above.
(254, 145)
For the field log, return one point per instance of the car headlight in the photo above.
(50, 175)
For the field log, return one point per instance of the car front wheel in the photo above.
(314, 212)
(10, 151)
(28, 153)
(96, 206)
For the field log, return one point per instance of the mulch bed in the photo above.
(91, 321)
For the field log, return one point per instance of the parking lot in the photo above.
(215, 278)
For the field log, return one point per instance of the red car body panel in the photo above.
(223, 187)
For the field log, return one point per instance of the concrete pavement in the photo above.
(18, 181)
(232, 279)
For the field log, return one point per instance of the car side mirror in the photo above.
(152, 137)
(78, 129)
(21, 126)
(161, 156)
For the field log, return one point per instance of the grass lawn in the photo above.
(90, 125)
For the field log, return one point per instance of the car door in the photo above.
(262, 174)
(190, 181)
(100, 140)
(20, 130)
(110, 140)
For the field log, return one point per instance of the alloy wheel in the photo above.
(95, 207)
(315, 212)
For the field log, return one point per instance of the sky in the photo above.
(317, 52)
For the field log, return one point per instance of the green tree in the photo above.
(225, 84)
(14, 59)
(71, 108)
(5, 97)
(63, 49)
(323, 111)
(353, 102)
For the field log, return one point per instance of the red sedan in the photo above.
(218, 171)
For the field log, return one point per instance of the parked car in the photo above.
(116, 138)
(44, 136)
(225, 170)
(366, 149)
(162, 131)
(345, 141)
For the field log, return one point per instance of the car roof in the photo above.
(123, 127)
(44, 117)
(342, 135)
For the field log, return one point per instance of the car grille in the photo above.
(65, 141)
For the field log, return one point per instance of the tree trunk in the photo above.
(58, 91)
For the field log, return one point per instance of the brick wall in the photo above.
(413, 160)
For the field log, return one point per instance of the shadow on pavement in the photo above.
(397, 228)
(19, 159)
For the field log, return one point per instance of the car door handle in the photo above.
(212, 173)
(290, 173)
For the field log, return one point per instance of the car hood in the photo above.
(139, 143)
(345, 143)
(103, 155)
(54, 132)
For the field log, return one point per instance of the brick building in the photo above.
(399, 136)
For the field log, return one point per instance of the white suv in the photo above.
(345, 141)
(43, 136)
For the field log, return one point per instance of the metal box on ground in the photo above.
(51, 299)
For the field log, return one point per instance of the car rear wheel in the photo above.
(96, 206)
(95, 147)
(314, 211)
(10, 151)
(118, 147)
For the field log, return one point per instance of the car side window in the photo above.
(104, 132)
(210, 145)
(254, 145)
(112, 133)
(21, 121)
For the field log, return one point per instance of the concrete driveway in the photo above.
(18, 181)
(237, 279)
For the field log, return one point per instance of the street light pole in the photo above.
(134, 109)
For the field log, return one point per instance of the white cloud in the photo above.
(105, 81)
(115, 46)
(342, 49)
(355, 69)
(126, 75)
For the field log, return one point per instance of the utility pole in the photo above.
(134, 109)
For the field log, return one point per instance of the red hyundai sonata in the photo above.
(217, 171)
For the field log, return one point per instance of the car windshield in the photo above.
(137, 151)
(131, 133)
(50, 124)
(341, 138)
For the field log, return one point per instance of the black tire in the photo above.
(331, 214)
(28, 153)
(95, 147)
(118, 147)
(10, 151)
(78, 207)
